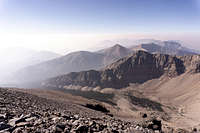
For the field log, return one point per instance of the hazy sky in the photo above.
(60, 25)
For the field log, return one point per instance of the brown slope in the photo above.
(179, 96)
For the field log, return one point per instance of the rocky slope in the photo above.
(137, 68)
(21, 112)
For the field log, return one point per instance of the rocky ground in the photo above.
(23, 113)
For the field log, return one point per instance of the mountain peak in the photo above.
(141, 52)
(116, 50)
(118, 45)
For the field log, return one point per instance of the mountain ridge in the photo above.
(72, 62)
(85, 60)
(19, 58)
(136, 68)
(165, 47)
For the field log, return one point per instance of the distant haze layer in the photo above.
(65, 43)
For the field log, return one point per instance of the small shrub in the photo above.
(97, 107)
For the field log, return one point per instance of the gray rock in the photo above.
(92, 123)
(23, 124)
(4, 126)
(31, 119)
(76, 123)
(5, 131)
(76, 117)
(82, 129)
(56, 119)
(2, 118)
(15, 121)
(38, 122)
(60, 127)
(18, 130)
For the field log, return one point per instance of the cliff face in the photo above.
(192, 63)
(136, 68)
(143, 65)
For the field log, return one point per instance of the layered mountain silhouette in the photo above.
(20, 58)
(136, 68)
(114, 53)
(84, 60)
(165, 47)
(73, 62)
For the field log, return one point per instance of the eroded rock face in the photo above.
(137, 68)
(192, 63)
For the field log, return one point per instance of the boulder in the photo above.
(155, 125)
(4, 126)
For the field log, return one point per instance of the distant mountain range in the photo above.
(23, 57)
(73, 62)
(165, 47)
(84, 60)
(19, 58)
(136, 68)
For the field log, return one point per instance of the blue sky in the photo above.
(100, 16)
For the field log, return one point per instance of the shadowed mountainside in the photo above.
(137, 68)
(73, 62)
(84, 60)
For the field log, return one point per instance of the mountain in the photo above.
(73, 62)
(145, 41)
(137, 68)
(40, 56)
(19, 58)
(165, 47)
(114, 53)
(84, 60)
(23, 57)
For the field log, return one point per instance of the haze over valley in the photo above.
(76, 66)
